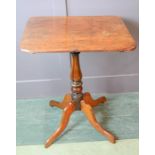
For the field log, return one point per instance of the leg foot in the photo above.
(62, 104)
(87, 110)
(89, 100)
(68, 110)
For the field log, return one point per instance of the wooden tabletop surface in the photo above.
(76, 33)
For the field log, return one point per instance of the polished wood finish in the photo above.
(76, 77)
(68, 110)
(89, 100)
(69, 107)
(76, 33)
(67, 99)
(76, 74)
(87, 110)
(78, 100)
(86, 97)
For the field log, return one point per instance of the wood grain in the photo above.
(76, 33)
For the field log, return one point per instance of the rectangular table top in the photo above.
(76, 33)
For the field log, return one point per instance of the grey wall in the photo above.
(42, 75)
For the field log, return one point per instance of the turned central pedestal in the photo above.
(76, 77)
(77, 100)
(85, 34)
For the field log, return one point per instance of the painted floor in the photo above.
(122, 147)
(36, 121)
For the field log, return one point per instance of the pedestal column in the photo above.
(76, 77)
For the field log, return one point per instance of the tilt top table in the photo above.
(75, 34)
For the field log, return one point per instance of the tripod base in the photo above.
(86, 106)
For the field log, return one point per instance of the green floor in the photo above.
(36, 121)
(122, 147)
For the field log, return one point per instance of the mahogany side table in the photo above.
(75, 34)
